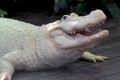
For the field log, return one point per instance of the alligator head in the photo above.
(77, 31)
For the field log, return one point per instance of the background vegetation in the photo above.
(81, 7)
(110, 7)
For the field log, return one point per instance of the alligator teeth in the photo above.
(73, 32)
(77, 36)
(89, 29)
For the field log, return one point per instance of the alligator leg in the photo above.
(6, 70)
(7, 64)
(91, 57)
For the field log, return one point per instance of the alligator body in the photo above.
(24, 46)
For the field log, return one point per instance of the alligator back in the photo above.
(13, 34)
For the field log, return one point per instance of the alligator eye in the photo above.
(64, 17)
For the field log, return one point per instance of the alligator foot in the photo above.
(91, 57)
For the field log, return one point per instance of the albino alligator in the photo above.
(24, 46)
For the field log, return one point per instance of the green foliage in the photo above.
(69, 4)
(115, 11)
(2, 13)
(59, 5)
(80, 6)
(107, 1)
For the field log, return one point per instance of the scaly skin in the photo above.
(24, 46)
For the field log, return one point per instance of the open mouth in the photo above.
(87, 31)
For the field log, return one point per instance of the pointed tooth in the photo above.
(73, 32)
(77, 35)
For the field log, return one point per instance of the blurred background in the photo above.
(28, 9)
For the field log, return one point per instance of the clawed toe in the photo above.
(100, 58)
(92, 57)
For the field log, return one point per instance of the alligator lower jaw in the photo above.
(100, 35)
(89, 40)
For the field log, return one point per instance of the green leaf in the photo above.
(2, 13)
(106, 1)
(59, 4)
(114, 10)
(79, 7)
